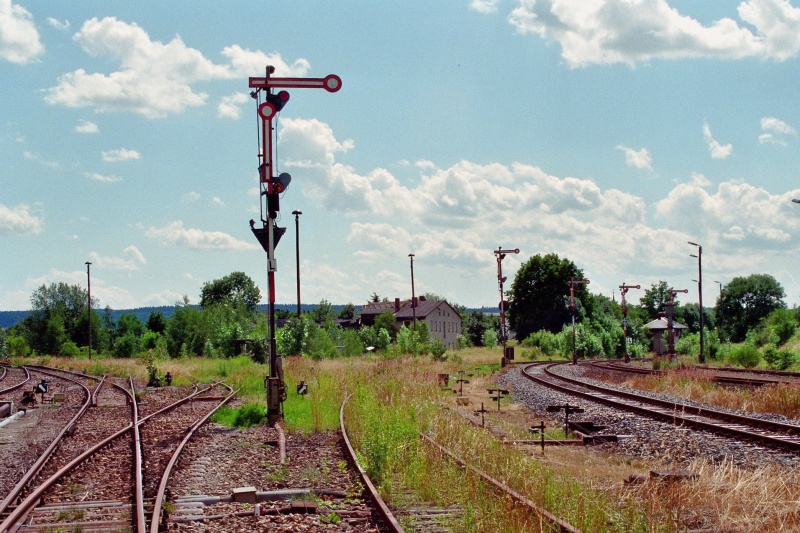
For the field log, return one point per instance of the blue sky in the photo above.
(610, 132)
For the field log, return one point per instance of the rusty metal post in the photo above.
(623, 289)
(500, 254)
(670, 312)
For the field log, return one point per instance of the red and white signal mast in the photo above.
(272, 186)
(623, 289)
(500, 254)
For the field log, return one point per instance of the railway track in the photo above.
(764, 432)
(428, 519)
(726, 376)
(109, 474)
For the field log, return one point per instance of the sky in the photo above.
(609, 132)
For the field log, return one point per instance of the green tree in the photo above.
(386, 321)
(539, 296)
(156, 322)
(323, 313)
(61, 303)
(655, 298)
(4, 345)
(235, 289)
(184, 332)
(746, 301)
(348, 311)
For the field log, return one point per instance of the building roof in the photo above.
(661, 323)
(376, 308)
(423, 309)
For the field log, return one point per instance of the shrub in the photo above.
(249, 415)
(126, 346)
(17, 347)
(351, 343)
(780, 359)
(490, 338)
(70, 349)
(438, 350)
(745, 355)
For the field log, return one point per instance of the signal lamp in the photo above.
(278, 100)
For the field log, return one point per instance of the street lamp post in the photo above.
(413, 295)
(572, 283)
(699, 257)
(89, 301)
(297, 253)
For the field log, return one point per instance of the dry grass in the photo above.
(782, 399)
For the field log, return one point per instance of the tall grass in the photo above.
(782, 398)
(401, 399)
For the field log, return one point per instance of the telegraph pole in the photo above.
(623, 289)
(413, 296)
(572, 284)
(272, 186)
(699, 257)
(89, 303)
(670, 312)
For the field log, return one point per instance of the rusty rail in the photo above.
(563, 526)
(770, 378)
(25, 507)
(138, 464)
(383, 509)
(162, 487)
(786, 436)
(45, 456)
(18, 385)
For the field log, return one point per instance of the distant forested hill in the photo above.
(9, 318)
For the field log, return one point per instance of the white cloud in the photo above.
(85, 126)
(19, 38)
(735, 211)
(775, 131)
(121, 154)
(174, 234)
(19, 220)
(32, 156)
(217, 202)
(132, 259)
(57, 24)
(231, 106)
(484, 6)
(637, 158)
(634, 31)
(191, 197)
(155, 79)
(717, 150)
(102, 178)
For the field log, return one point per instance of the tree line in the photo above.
(226, 323)
(749, 311)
